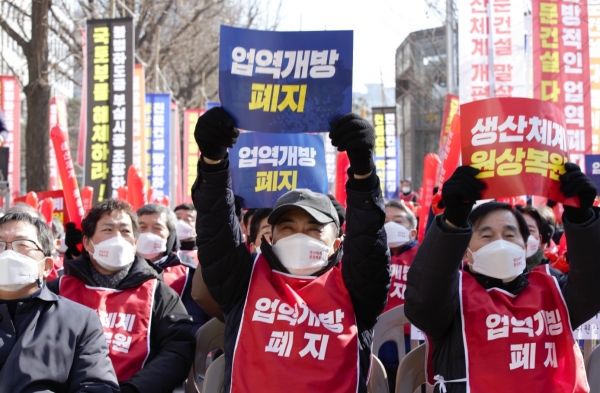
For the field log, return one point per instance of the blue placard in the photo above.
(266, 166)
(158, 128)
(285, 82)
(592, 168)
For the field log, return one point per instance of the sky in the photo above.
(379, 28)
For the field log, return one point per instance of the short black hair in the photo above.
(257, 217)
(157, 208)
(44, 233)
(533, 213)
(185, 206)
(88, 225)
(483, 210)
(249, 213)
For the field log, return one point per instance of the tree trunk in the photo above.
(37, 92)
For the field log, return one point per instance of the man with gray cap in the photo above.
(299, 318)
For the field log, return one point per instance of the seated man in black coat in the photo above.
(300, 317)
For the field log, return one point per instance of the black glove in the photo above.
(459, 194)
(215, 132)
(73, 239)
(355, 135)
(575, 182)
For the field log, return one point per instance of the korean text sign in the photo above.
(190, 151)
(519, 144)
(385, 155)
(285, 82)
(158, 125)
(266, 166)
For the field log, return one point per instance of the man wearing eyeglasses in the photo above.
(47, 342)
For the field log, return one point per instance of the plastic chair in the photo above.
(208, 338)
(390, 327)
(592, 368)
(215, 376)
(378, 382)
(411, 372)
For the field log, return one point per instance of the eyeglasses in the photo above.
(22, 246)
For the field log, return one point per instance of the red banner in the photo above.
(57, 117)
(10, 102)
(519, 144)
(450, 109)
(83, 108)
(452, 151)
(561, 65)
(341, 177)
(430, 170)
(57, 197)
(136, 194)
(190, 151)
(67, 175)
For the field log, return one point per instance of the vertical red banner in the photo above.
(83, 109)
(561, 64)
(451, 151)
(11, 106)
(67, 175)
(343, 163)
(190, 152)
(450, 109)
(430, 171)
(57, 117)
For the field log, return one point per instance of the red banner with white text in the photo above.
(10, 103)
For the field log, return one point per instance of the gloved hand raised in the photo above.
(355, 135)
(73, 238)
(459, 194)
(215, 132)
(576, 183)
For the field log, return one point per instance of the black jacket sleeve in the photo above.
(173, 345)
(432, 298)
(366, 258)
(226, 262)
(580, 287)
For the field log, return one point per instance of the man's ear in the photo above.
(336, 243)
(413, 234)
(47, 267)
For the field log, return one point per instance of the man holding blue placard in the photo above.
(300, 317)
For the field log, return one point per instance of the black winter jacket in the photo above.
(172, 341)
(227, 263)
(432, 300)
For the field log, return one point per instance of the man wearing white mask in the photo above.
(47, 342)
(492, 323)
(148, 331)
(158, 243)
(535, 252)
(186, 228)
(299, 318)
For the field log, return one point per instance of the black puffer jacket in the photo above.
(432, 300)
(172, 341)
(227, 264)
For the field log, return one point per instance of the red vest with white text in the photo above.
(125, 315)
(399, 264)
(176, 277)
(519, 343)
(298, 334)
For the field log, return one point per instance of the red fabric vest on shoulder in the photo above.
(176, 277)
(298, 334)
(399, 265)
(126, 317)
(520, 343)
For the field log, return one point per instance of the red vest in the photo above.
(399, 265)
(176, 277)
(520, 343)
(298, 334)
(126, 317)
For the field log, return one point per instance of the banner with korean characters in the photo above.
(387, 163)
(190, 151)
(110, 63)
(491, 49)
(285, 82)
(158, 127)
(60, 206)
(592, 168)
(10, 103)
(561, 68)
(519, 144)
(593, 8)
(266, 166)
(588, 330)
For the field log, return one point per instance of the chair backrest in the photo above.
(378, 382)
(215, 376)
(411, 372)
(592, 369)
(390, 327)
(208, 338)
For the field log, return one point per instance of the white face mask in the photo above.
(63, 246)
(397, 235)
(184, 230)
(150, 245)
(500, 259)
(533, 245)
(114, 254)
(301, 254)
(406, 190)
(17, 270)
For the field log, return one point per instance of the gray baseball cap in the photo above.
(318, 205)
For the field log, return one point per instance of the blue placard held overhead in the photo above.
(592, 168)
(158, 128)
(285, 82)
(266, 166)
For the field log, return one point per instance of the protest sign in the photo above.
(10, 103)
(592, 168)
(285, 82)
(451, 156)
(431, 164)
(158, 128)
(58, 197)
(385, 155)
(588, 330)
(519, 144)
(264, 166)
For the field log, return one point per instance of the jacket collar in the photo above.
(515, 286)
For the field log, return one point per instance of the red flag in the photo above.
(47, 209)
(87, 196)
(452, 151)
(32, 199)
(430, 170)
(122, 193)
(135, 193)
